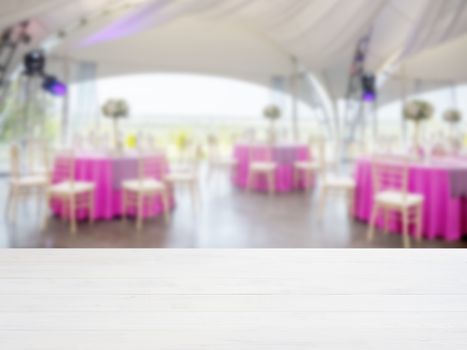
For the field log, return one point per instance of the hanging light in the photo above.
(34, 66)
(52, 85)
(34, 63)
(369, 88)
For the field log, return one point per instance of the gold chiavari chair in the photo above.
(73, 195)
(38, 157)
(390, 176)
(218, 163)
(145, 188)
(334, 184)
(22, 186)
(185, 174)
(308, 170)
(261, 163)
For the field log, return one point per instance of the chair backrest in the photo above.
(38, 155)
(260, 153)
(65, 166)
(321, 153)
(151, 165)
(390, 173)
(318, 150)
(15, 163)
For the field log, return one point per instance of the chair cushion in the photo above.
(181, 176)
(70, 188)
(263, 166)
(307, 165)
(226, 162)
(31, 181)
(397, 199)
(144, 185)
(340, 182)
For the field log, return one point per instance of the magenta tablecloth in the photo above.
(283, 155)
(108, 173)
(444, 216)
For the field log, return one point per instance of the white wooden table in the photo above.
(233, 299)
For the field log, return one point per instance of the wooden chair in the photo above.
(145, 188)
(23, 186)
(308, 170)
(334, 184)
(74, 195)
(185, 174)
(38, 157)
(390, 176)
(218, 163)
(357, 150)
(261, 163)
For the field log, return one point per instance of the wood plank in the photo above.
(336, 339)
(231, 303)
(233, 299)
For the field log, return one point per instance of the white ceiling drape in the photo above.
(321, 34)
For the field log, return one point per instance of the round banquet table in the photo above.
(444, 187)
(283, 155)
(108, 173)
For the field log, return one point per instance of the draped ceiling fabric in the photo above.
(254, 39)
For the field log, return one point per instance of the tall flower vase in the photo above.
(272, 133)
(417, 144)
(116, 137)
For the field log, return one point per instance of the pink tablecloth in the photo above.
(445, 216)
(283, 155)
(108, 173)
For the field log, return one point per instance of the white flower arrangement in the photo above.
(452, 116)
(418, 111)
(116, 109)
(272, 113)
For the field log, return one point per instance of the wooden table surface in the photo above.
(233, 299)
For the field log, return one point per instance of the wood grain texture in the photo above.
(233, 299)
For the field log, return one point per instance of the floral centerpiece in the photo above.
(418, 111)
(116, 109)
(273, 114)
(452, 116)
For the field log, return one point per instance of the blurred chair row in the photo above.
(31, 176)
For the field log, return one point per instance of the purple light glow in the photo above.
(59, 89)
(369, 96)
(54, 86)
(130, 24)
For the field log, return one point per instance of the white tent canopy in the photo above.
(247, 39)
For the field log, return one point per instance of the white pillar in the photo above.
(403, 101)
(66, 103)
(294, 81)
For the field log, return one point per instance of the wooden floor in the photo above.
(227, 218)
(233, 299)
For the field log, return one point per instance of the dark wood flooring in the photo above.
(228, 218)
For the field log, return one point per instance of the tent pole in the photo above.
(404, 101)
(294, 83)
(455, 101)
(65, 104)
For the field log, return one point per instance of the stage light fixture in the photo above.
(52, 85)
(34, 68)
(369, 88)
(34, 63)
